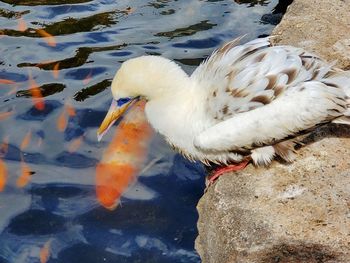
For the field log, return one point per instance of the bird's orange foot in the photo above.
(211, 178)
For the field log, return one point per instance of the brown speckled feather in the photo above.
(255, 75)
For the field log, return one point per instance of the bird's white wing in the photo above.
(258, 94)
(240, 78)
(300, 108)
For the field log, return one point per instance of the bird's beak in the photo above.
(117, 108)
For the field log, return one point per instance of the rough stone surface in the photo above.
(289, 213)
(319, 26)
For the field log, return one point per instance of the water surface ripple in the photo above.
(156, 221)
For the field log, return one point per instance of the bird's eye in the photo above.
(122, 101)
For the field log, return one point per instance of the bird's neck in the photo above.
(178, 113)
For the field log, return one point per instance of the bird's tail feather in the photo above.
(342, 120)
(342, 80)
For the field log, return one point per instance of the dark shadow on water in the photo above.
(252, 3)
(11, 14)
(78, 60)
(277, 13)
(199, 44)
(92, 90)
(36, 222)
(43, 2)
(187, 31)
(90, 254)
(33, 114)
(45, 89)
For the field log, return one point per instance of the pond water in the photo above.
(48, 206)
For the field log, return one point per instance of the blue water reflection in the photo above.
(156, 221)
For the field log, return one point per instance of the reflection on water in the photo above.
(65, 53)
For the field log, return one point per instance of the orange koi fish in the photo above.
(50, 39)
(4, 146)
(62, 121)
(26, 140)
(45, 252)
(70, 109)
(7, 81)
(122, 160)
(75, 144)
(22, 26)
(3, 175)
(87, 79)
(37, 97)
(5, 115)
(55, 70)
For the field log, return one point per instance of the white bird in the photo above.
(245, 102)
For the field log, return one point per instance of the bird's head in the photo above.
(138, 78)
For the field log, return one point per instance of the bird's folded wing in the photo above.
(240, 78)
(299, 108)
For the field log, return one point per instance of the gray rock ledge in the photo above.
(296, 213)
